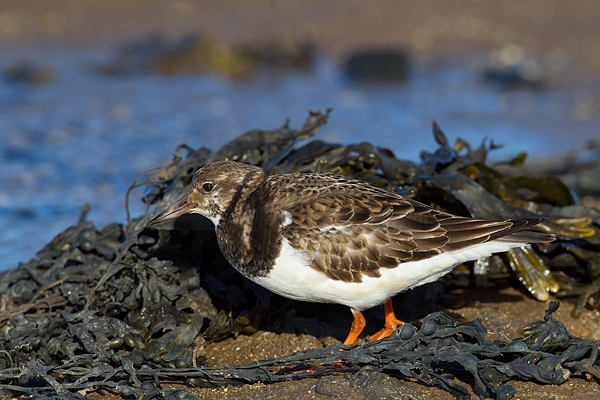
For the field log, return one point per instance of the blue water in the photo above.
(84, 137)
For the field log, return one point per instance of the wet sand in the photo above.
(564, 34)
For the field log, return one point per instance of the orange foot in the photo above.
(358, 324)
(391, 322)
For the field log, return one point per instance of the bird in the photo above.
(326, 238)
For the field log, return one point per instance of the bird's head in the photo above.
(214, 187)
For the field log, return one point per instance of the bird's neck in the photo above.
(249, 233)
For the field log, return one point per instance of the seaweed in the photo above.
(126, 308)
(201, 54)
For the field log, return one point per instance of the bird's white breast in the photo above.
(292, 277)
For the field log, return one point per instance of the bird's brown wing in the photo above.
(351, 228)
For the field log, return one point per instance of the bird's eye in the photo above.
(207, 187)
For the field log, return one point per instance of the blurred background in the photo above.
(94, 92)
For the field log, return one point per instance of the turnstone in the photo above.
(330, 239)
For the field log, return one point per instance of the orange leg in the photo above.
(358, 324)
(391, 323)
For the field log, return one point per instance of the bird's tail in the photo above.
(519, 232)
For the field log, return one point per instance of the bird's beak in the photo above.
(183, 206)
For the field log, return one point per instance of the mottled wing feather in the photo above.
(351, 228)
